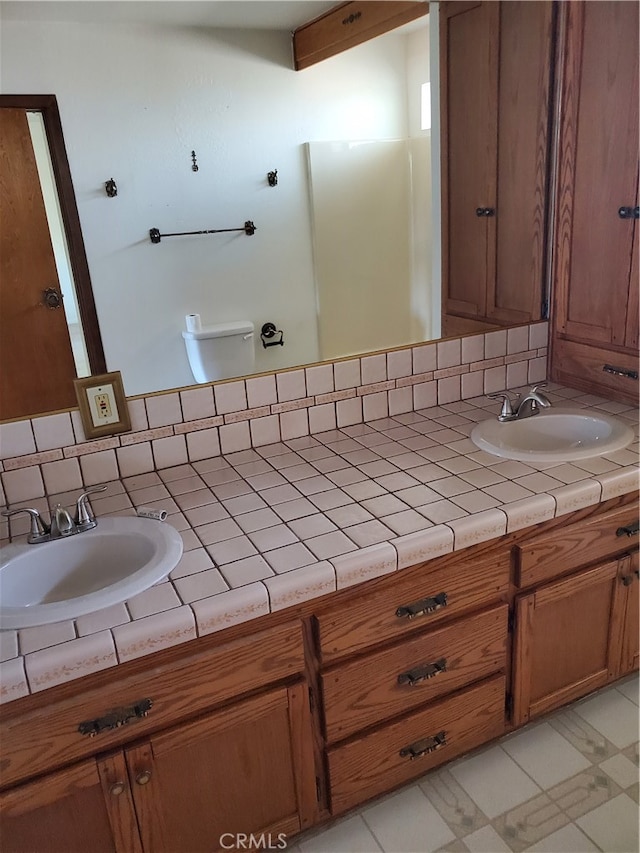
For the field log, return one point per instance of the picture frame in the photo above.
(102, 404)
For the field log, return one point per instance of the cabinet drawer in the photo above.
(395, 753)
(581, 366)
(47, 737)
(412, 600)
(363, 692)
(553, 554)
(348, 25)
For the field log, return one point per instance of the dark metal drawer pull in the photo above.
(485, 211)
(629, 530)
(629, 212)
(422, 673)
(116, 718)
(620, 371)
(422, 607)
(424, 747)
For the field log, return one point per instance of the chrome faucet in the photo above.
(530, 404)
(62, 524)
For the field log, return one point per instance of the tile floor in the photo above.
(565, 784)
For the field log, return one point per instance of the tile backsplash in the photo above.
(50, 455)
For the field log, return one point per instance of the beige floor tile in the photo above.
(545, 755)
(613, 826)
(613, 715)
(494, 781)
(590, 742)
(569, 839)
(453, 803)
(530, 822)
(456, 846)
(348, 836)
(584, 792)
(486, 840)
(407, 823)
(621, 770)
(631, 688)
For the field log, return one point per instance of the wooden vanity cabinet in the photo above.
(227, 746)
(578, 632)
(496, 60)
(596, 274)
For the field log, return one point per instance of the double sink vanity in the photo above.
(488, 574)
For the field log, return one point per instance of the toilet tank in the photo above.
(221, 351)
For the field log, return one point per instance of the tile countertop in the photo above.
(268, 528)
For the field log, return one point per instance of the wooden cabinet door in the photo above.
(515, 293)
(469, 81)
(244, 769)
(496, 69)
(568, 639)
(87, 807)
(598, 174)
(630, 657)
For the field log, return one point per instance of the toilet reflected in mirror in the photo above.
(220, 351)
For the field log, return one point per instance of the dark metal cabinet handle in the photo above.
(630, 530)
(422, 673)
(116, 718)
(485, 211)
(422, 607)
(620, 371)
(629, 212)
(424, 747)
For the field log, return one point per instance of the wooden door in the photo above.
(598, 174)
(469, 81)
(245, 769)
(37, 366)
(568, 639)
(515, 293)
(630, 657)
(87, 807)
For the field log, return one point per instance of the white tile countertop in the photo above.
(271, 527)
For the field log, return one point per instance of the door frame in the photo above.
(48, 106)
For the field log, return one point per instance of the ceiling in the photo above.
(245, 14)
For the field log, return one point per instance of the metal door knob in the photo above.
(52, 298)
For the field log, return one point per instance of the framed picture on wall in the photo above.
(102, 404)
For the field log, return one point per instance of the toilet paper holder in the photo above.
(269, 331)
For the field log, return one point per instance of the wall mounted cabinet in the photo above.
(596, 273)
(496, 65)
(350, 24)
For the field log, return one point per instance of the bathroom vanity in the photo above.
(286, 720)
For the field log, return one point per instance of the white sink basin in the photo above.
(553, 435)
(65, 578)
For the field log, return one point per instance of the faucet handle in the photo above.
(39, 530)
(506, 412)
(84, 516)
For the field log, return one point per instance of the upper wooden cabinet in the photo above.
(349, 24)
(595, 321)
(496, 63)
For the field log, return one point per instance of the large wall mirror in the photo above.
(148, 91)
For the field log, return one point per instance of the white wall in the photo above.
(134, 102)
